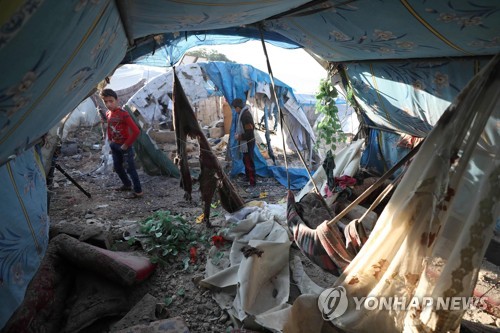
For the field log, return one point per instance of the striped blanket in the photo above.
(325, 246)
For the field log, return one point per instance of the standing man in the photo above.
(246, 137)
(122, 132)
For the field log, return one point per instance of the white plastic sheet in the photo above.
(259, 284)
(346, 163)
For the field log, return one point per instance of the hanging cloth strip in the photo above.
(212, 177)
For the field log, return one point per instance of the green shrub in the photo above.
(329, 130)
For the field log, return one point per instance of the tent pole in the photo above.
(58, 167)
(285, 125)
(310, 151)
(280, 112)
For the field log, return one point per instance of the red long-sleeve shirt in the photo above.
(121, 127)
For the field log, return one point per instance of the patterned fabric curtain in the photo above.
(432, 236)
(24, 229)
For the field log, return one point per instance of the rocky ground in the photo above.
(173, 283)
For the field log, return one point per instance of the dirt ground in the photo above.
(172, 284)
(114, 211)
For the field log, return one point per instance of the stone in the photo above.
(216, 132)
(163, 136)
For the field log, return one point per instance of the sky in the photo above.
(295, 67)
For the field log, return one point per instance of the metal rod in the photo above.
(280, 112)
(284, 125)
(58, 167)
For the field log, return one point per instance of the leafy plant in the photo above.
(181, 292)
(329, 128)
(167, 235)
(168, 301)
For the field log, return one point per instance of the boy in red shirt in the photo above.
(122, 132)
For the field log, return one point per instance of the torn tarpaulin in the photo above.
(212, 177)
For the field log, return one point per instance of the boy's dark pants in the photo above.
(119, 157)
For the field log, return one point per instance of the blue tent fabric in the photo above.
(151, 16)
(237, 81)
(168, 54)
(228, 77)
(410, 96)
(24, 231)
(342, 31)
(406, 97)
(335, 30)
(298, 176)
(234, 81)
(61, 63)
(382, 152)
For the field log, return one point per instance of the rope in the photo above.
(283, 124)
(208, 150)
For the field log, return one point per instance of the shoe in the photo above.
(136, 195)
(123, 188)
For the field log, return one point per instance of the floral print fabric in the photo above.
(23, 229)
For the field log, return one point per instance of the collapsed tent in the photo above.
(428, 241)
(203, 80)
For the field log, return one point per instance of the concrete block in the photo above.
(163, 136)
(216, 132)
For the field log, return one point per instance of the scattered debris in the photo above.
(113, 217)
(250, 251)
